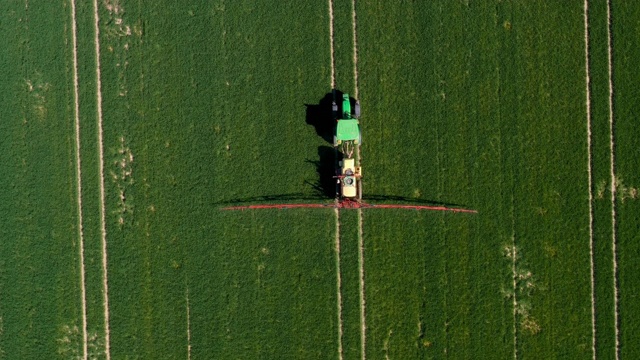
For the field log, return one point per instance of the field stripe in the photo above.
(333, 63)
(361, 277)
(355, 48)
(590, 175)
(363, 322)
(514, 255)
(613, 183)
(103, 228)
(188, 327)
(336, 211)
(339, 283)
(83, 291)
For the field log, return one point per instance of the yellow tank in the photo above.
(349, 181)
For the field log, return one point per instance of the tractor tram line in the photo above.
(346, 144)
(361, 277)
(613, 185)
(348, 158)
(336, 201)
(590, 175)
(348, 192)
(103, 228)
(338, 282)
(336, 153)
(74, 39)
(86, 339)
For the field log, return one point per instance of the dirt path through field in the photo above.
(613, 183)
(355, 49)
(103, 229)
(590, 176)
(339, 283)
(363, 322)
(336, 211)
(333, 64)
(188, 326)
(83, 291)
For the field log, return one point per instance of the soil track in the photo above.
(103, 229)
(333, 67)
(363, 322)
(339, 283)
(336, 211)
(613, 183)
(355, 49)
(590, 176)
(83, 291)
(515, 292)
(188, 327)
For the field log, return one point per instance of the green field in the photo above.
(204, 104)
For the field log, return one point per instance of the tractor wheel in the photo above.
(356, 110)
(335, 141)
(334, 109)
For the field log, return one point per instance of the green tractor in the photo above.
(348, 127)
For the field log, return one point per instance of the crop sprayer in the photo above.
(346, 139)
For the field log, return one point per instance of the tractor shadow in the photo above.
(404, 200)
(320, 115)
(267, 199)
(326, 184)
(321, 118)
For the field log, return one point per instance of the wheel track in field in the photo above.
(613, 185)
(188, 326)
(514, 280)
(103, 228)
(336, 211)
(590, 176)
(363, 324)
(361, 275)
(74, 39)
(339, 283)
(333, 62)
(355, 49)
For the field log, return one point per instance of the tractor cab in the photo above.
(348, 126)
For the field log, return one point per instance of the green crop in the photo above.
(210, 103)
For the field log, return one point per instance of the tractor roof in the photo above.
(347, 129)
(346, 106)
